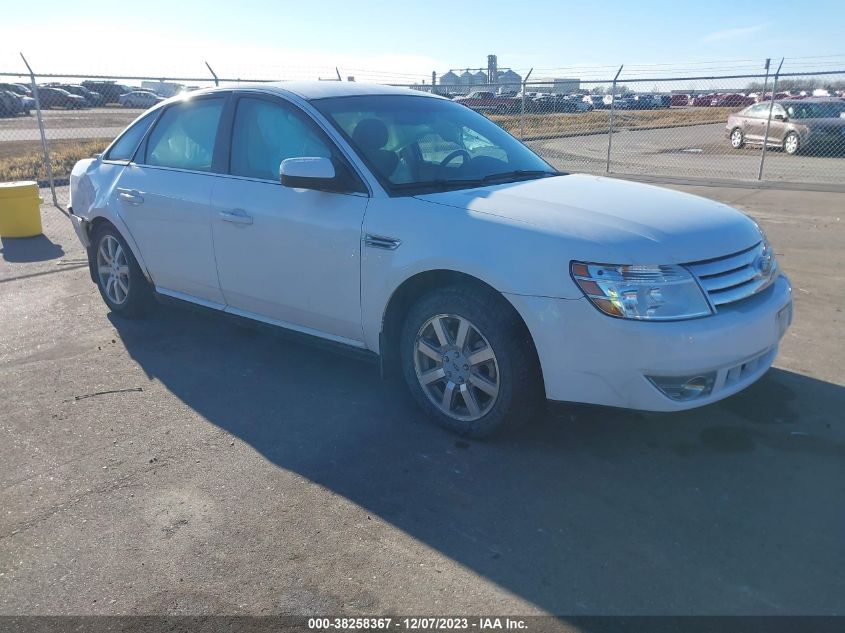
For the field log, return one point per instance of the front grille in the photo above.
(733, 277)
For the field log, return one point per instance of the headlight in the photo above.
(647, 293)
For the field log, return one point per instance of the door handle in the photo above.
(131, 196)
(236, 216)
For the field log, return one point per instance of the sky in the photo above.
(405, 41)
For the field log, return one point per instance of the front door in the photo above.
(289, 256)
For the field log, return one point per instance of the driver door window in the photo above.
(265, 133)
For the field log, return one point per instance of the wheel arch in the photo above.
(93, 225)
(414, 287)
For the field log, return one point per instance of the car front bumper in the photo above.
(589, 357)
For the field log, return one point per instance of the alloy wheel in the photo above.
(790, 144)
(456, 367)
(736, 138)
(113, 269)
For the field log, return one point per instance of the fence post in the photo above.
(47, 164)
(213, 74)
(612, 110)
(522, 107)
(769, 120)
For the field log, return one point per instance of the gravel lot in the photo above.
(184, 465)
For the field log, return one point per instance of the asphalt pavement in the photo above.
(181, 464)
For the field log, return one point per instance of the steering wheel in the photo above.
(452, 156)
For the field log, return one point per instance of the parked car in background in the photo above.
(796, 125)
(647, 101)
(679, 100)
(11, 104)
(597, 101)
(732, 100)
(92, 99)
(620, 102)
(18, 89)
(58, 98)
(23, 93)
(110, 91)
(702, 101)
(139, 99)
(554, 103)
(580, 104)
(369, 216)
(490, 103)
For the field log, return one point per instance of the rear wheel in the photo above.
(737, 139)
(119, 278)
(469, 362)
(791, 143)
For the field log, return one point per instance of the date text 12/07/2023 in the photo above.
(417, 623)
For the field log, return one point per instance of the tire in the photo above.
(496, 368)
(791, 144)
(119, 279)
(737, 138)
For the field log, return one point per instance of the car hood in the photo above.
(634, 222)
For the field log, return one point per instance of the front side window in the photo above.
(185, 134)
(811, 110)
(414, 144)
(124, 148)
(265, 133)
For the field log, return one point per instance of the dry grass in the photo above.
(23, 160)
(550, 125)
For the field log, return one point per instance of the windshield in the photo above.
(417, 144)
(830, 110)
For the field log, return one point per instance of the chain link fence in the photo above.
(724, 127)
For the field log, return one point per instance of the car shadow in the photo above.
(29, 249)
(590, 510)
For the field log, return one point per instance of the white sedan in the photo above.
(409, 227)
(139, 99)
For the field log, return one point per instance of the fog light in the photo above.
(685, 388)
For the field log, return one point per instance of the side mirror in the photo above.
(779, 117)
(309, 172)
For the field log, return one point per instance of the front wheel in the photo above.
(737, 139)
(119, 278)
(469, 362)
(791, 144)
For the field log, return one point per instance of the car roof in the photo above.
(310, 90)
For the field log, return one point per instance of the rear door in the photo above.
(164, 198)
(754, 122)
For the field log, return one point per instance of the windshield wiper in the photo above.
(519, 174)
(475, 182)
(442, 183)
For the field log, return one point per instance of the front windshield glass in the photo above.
(416, 144)
(830, 110)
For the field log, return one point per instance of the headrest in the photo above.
(370, 134)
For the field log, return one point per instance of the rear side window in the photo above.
(265, 133)
(185, 134)
(124, 148)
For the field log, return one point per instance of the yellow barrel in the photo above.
(20, 214)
